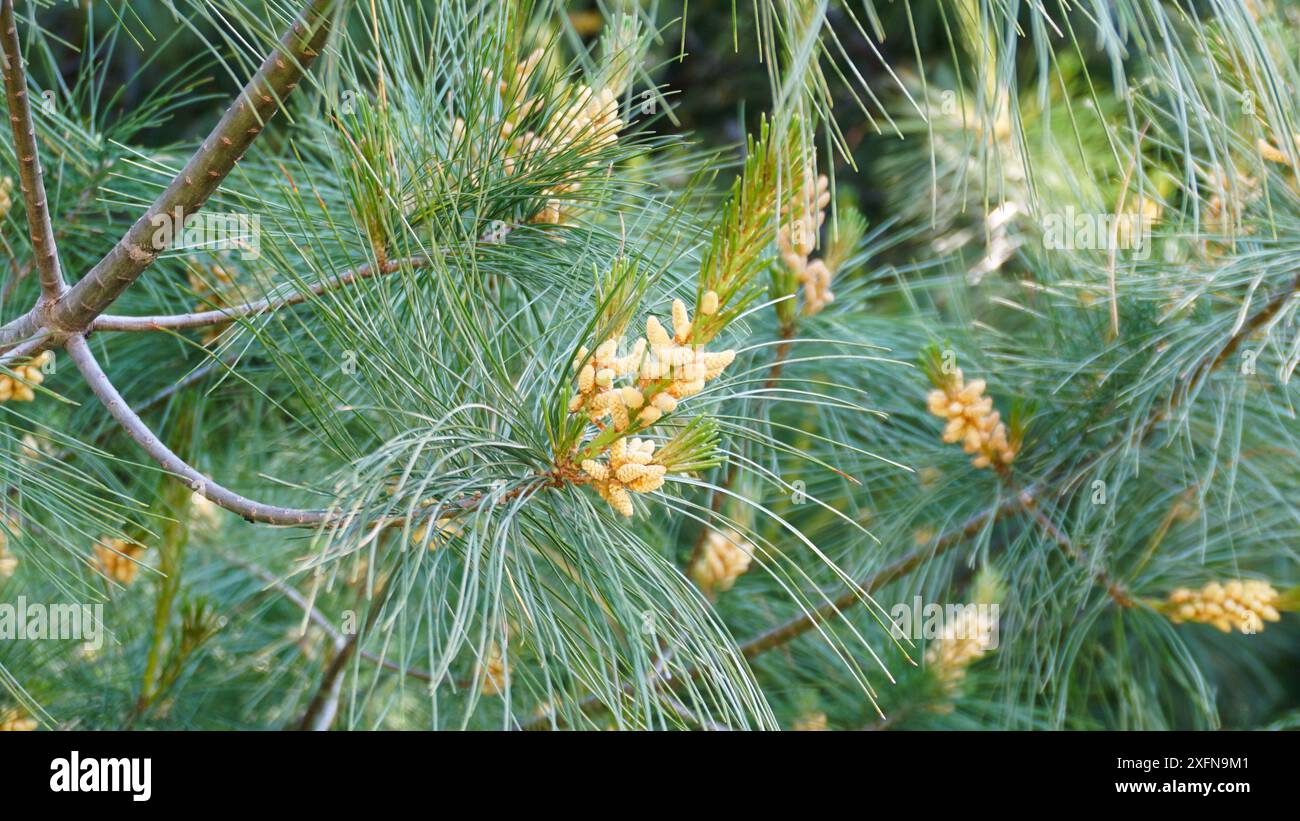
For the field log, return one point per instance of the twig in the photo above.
(1099, 574)
(1114, 232)
(799, 625)
(29, 164)
(220, 316)
(890, 721)
(140, 432)
(687, 714)
(68, 219)
(324, 706)
(1251, 325)
(253, 511)
(198, 375)
(296, 598)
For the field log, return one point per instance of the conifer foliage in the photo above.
(443, 379)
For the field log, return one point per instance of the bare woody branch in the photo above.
(256, 104)
(29, 162)
(193, 378)
(219, 316)
(147, 439)
(801, 624)
(1099, 574)
(104, 390)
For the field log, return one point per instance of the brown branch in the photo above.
(113, 402)
(296, 598)
(1099, 574)
(29, 164)
(190, 190)
(801, 624)
(197, 375)
(69, 219)
(1257, 321)
(323, 706)
(220, 316)
(253, 511)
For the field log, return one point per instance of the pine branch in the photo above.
(189, 191)
(220, 316)
(1266, 314)
(798, 625)
(296, 598)
(1025, 500)
(253, 511)
(113, 402)
(69, 219)
(198, 375)
(324, 706)
(801, 624)
(29, 163)
(1100, 575)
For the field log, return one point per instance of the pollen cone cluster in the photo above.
(587, 124)
(811, 723)
(597, 393)
(16, 720)
(677, 369)
(666, 368)
(205, 515)
(585, 120)
(1243, 605)
(723, 557)
(18, 386)
(493, 674)
(972, 421)
(631, 467)
(118, 559)
(797, 237)
(633, 391)
(6, 196)
(962, 642)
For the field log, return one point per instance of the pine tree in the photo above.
(447, 382)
